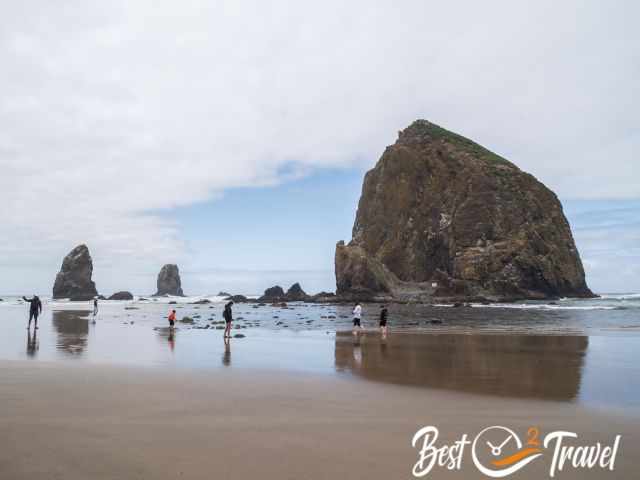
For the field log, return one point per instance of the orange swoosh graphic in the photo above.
(516, 457)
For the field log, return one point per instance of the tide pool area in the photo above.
(579, 351)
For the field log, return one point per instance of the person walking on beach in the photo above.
(172, 319)
(35, 309)
(383, 320)
(228, 317)
(95, 306)
(357, 317)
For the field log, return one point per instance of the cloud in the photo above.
(110, 111)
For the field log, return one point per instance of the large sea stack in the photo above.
(169, 281)
(441, 216)
(74, 279)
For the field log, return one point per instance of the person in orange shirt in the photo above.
(172, 319)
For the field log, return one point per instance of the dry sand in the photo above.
(82, 421)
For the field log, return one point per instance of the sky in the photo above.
(232, 137)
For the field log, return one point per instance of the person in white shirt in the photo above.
(357, 316)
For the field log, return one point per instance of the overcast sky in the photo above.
(120, 120)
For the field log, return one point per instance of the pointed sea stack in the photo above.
(169, 281)
(74, 279)
(441, 216)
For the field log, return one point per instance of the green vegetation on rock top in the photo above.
(422, 128)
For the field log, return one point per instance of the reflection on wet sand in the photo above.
(547, 367)
(32, 343)
(170, 335)
(72, 328)
(226, 356)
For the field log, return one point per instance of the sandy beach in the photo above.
(79, 421)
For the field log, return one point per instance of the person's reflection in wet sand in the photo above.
(172, 339)
(357, 351)
(226, 356)
(384, 354)
(32, 344)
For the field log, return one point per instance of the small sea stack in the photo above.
(169, 281)
(73, 281)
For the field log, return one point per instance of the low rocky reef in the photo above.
(123, 295)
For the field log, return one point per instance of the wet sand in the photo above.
(80, 421)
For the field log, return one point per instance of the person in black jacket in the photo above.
(383, 320)
(228, 317)
(35, 309)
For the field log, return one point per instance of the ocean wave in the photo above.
(545, 306)
(630, 297)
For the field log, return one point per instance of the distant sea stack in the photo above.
(441, 216)
(74, 279)
(169, 281)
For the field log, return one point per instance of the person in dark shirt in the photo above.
(228, 317)
(383, 319)
(35, 309)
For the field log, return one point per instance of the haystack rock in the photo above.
(169, 281)
(441, 216)
(74, 279)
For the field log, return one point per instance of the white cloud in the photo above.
(109, 110)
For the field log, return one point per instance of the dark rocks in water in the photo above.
(237, 298)
(322, 297)
(223, 294)
(276, 294)
(131, 308)
(173, 302)
(441, 216)
(169, 281)
(239, 335)
(273, 294)
(296, 294)
(204, 301)
(74, 279)
(121, 296)
(187, 320)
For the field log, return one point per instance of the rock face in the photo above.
(74, 279)
(121, 296)
(441, 216)
(169, 281)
